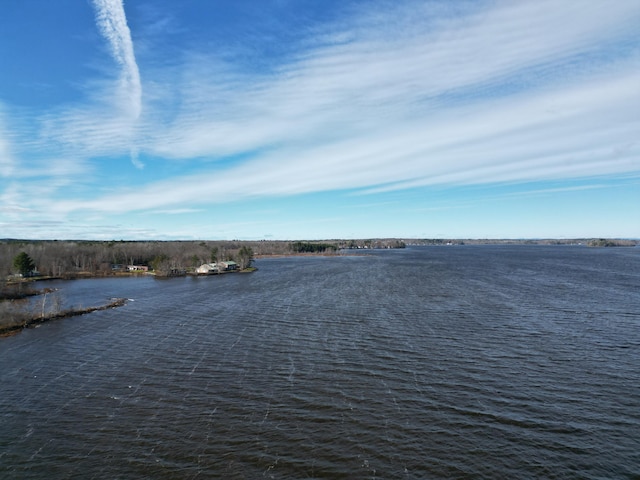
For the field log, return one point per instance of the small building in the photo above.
(208, 269)
(229, 265)
(137, 268)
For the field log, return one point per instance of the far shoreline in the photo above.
(18, 289)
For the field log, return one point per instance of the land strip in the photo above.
(7, 329)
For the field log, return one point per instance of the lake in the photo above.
(418, 363)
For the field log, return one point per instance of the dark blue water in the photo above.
(437, 362)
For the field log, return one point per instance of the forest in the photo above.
(69, 258)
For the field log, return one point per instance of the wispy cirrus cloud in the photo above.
(371, 80)
(397, 96)
(7, 162)
(106, 121)
(518, 92)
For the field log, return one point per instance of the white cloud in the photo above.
(376, 79)
(107, 120)
(7, 160)
(567, 132)
(176, 211)
(399, 99)
(112, 22)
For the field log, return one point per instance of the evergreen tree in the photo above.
(245, 256)
(24, 264)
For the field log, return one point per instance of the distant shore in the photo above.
(14, 316)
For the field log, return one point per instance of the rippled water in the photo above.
(442, 362)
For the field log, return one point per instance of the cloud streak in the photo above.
(484, 98)
(372, 80)
(7, 161)
(112, 23)
(397, 97)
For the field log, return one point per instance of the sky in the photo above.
(308, 119)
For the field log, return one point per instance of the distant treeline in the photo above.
(309, 247)
(601, 242)
(60, 258)
(604, 242)
(68, 258)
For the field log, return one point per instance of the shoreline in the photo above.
(33, 322)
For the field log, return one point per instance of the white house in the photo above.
(208, 269)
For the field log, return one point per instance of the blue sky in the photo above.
(305, 119)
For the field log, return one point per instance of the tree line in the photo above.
(311, 247)
(62, 258)
(66, 258)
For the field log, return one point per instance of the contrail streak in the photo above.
(112, 22)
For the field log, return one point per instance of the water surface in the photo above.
(439, 362)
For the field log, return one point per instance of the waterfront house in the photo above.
(229, 265)
(137, 268)
(208, 269)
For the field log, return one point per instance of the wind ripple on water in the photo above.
(423, 363)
